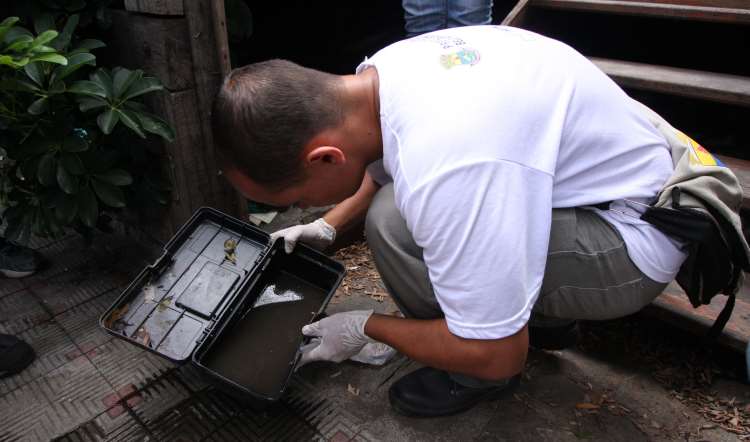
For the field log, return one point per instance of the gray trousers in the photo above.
(588, 275)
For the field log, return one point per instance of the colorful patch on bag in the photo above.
(698, 153)
(462, 57)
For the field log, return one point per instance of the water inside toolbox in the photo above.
(258, 348)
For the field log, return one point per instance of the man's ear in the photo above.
(325, 154)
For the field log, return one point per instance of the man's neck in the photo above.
(362, 102)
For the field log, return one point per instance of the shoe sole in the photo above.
(495, 395)
(15, 274)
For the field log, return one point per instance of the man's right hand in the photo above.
(318, 234)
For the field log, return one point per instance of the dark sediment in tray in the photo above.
(257, 351)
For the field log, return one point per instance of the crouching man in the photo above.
(480, 157)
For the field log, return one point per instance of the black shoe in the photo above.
(554, 338)
(18, 261)
(429, 392)
(15, 355)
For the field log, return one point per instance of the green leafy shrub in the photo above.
(69, 149)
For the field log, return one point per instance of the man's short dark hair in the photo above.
(266, 112)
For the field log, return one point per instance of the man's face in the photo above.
(321, 187)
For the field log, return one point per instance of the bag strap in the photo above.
(721, 320)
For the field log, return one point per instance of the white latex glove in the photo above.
(375, 353)
(336, 338)
(318, 234)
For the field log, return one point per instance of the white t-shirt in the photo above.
(485, 130)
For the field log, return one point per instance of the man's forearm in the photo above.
(352, 210)
(431, 343)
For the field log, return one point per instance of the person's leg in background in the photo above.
(605, 285)
(469, 13)
(16, 262)
(423, 16)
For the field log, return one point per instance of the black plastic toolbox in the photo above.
(226, 299)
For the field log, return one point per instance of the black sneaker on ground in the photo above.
(553, 338)
(429, 392)
(15, 355)
(18, 261)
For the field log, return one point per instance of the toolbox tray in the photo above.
(237, 317)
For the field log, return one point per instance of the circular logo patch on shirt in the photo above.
(461, 57)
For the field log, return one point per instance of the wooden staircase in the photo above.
(691, 87)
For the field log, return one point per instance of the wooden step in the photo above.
(724, 88)
(713, 11)
(673, 307)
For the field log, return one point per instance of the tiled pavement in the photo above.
(88, 386)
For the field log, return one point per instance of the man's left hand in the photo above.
(336, 338)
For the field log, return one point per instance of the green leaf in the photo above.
(143, 86)
(19, 229)
(44, 22)
(15, 84)
(39, 106)
(20, 42)
(123, 78)
(72, 163)
(67, 33)
(68, 183)
(66, 209)
(48, 221)
(117, 177)
(86, 104)
(86, 87)
(15, 32)
(75, 62)
(44, 38)
(5, 26)
(7, 60)
(58, 87)
(107, 120)
(44, 49)
(130, 120)
(35, 72)
(88, 207)
(90, 44)
(155, 125)
(74, 143)
(101, 160)
(35, 146)
(135, 106)
(47, 171)
(102, 77)
(50, 58)
(28, 169)
(109, 194)
(48, 198)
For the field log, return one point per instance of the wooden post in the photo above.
(210, 52)
(184, 44)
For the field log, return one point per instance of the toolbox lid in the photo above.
(174, 303)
